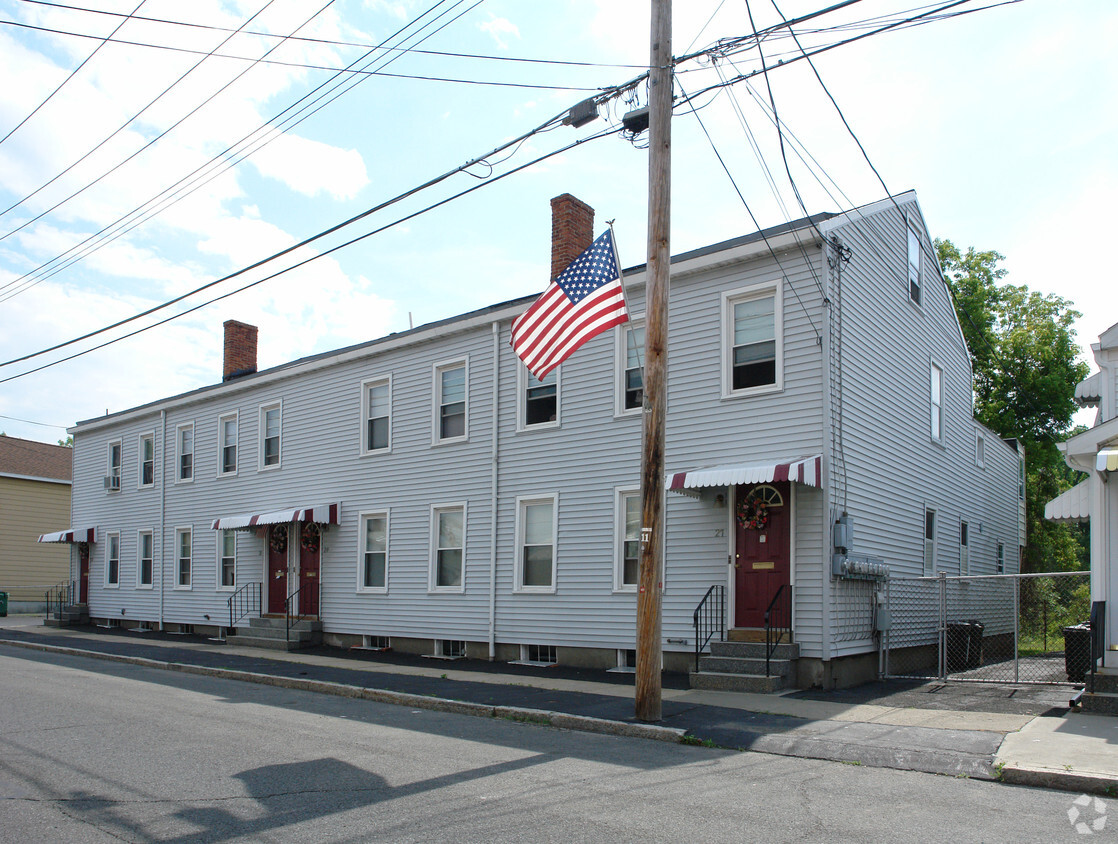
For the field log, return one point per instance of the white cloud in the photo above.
(498, 28)
(311, 167)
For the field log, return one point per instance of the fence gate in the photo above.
(1005, 628)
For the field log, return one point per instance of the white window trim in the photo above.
(361, 535)
(934, 366)
(178, 454)
(109, 537)
(364, 431)
(729, 299)
(436, 396)
(432, 578)
(119, 443)
(930, 570)
(619, 494)
(980, 449)
(262, 424)
(219, 587)
(178, 547)
(140, 559)
(522, 400)
(915, 231)
(999, 552)
(221, 420)
(964, 550)
(518, 581)
(140, 460)
(620, 359)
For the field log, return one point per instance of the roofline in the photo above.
(36, 478)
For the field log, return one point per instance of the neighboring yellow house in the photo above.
(34, 499)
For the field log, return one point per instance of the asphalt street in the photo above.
(96, 751)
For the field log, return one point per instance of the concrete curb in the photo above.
(561, 720)
(1060, 780)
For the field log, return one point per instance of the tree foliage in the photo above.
(1025, 360)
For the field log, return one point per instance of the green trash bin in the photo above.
(3, 604)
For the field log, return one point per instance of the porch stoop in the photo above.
(271, 634)
(71, 614)
(1105, 697)
(740, 667)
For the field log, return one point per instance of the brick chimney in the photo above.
(572, 231)
(240, 349)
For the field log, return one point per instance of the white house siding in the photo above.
(893, 467)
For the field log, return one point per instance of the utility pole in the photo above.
(650, 573)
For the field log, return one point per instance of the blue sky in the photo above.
(1001, 120)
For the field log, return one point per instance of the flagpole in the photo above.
(648, 693)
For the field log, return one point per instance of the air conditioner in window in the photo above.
(112, 482)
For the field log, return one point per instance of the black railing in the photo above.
(307, 596)
(778, 621)
(710, 618)
(1098, 638)
(244, 601)
(58, 597)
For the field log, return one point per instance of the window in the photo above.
(450, 402)
(913, 265)
(999, 562)
(540, 399)
(628, 532)
(964, 548)
(535, 531)
(185, 440)
(980, 449)
(752, 340)
(378, 415)
(630, 368)
(112, 560)
(227, 560)
(227, 446)
(112, 472)
(1021, 479)
(448, 537)
(270, 421)
(147, 460)
(144, 567)
(929, 541)
(937, 403)
(374, 553)
(183, 537)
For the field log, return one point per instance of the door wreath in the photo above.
(753, 512)
(311, 537)
(277, 539)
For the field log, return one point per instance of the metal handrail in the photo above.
(243, 601)
(711, 609)
(61, 595)
(778, 621)
(307, 590)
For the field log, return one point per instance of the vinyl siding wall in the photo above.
(31, 508)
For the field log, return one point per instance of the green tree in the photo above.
(1025, 359)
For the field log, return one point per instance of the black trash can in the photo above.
(974, 644)
(958, 645)
(1077, 651)
(3, 604)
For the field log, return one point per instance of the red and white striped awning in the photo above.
(323, 514)
(71, 535)
(807, 471)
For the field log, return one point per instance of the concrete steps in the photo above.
(1105, 697)
(270, 633)
(71, 614)
(739, 666)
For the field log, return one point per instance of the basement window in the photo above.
(537, 655)
(450, 649)
(376, 643)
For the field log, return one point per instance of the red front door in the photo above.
(83, 572)
(761, 550)
(310, 538)
(276, 574)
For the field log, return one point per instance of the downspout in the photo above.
(162, 507)
(496, 329)
(828, 453)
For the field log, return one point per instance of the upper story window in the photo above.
(377, 398)
(227, 432)
(373, 566)
(999, 562)
(914, 262)
(184, 551)
(147, 460)
(752, 341)
(112, 560)
(936, 397)
(539, 399)
(145, 548)
(964, 548)
(630, 368)
(448, 548)
(227, 560)
(980, 449)
(270, 423)
(450, 401)
(112, 469)
(185, 452)
(535, 530)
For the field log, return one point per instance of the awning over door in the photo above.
(323, 514)
(71, 535)
(807, 471)
(1107, 460)
(1070, 506)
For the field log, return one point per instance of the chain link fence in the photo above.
(1009, 628)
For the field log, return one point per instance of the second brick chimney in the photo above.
(572, 231)
(240, 349)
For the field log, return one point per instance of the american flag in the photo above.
(585, 300)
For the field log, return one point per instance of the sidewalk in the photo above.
(1020, 734)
